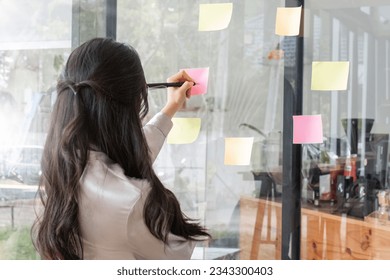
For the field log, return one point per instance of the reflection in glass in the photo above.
(243, 99)
(344, 176)
(35, 39)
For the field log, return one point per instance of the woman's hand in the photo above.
(177, 95)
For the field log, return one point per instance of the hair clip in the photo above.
(72, 88)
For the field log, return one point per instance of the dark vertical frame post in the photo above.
(93, 19)
(292, 153)
(75, 23)
(111, 18)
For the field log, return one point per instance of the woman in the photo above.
(101, 197)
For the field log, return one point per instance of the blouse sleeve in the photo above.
(146, 246)
(156, 130)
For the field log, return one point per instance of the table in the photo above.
(215, 253)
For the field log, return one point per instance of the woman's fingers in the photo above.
(187, 88)
(180, 76)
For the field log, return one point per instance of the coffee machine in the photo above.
(357, 188)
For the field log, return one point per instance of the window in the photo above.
(244, 99)
(35, 40)
(340, 188)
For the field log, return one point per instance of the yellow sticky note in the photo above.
(329, 75)
(238, 150)
(214, 17)
(184, 130)
(288, 21)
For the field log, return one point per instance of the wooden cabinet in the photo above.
(323, 235)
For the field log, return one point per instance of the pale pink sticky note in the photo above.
(288, 21)
(201, 78)
(238, 150)
(307, 129)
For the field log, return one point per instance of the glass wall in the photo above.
(345, 191)
(229, 175)
(35, 40)
(243, 100)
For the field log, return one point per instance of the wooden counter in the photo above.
(323, 235)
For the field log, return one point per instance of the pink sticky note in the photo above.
(201, 78)
(307, 129)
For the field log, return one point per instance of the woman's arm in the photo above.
(157, 129)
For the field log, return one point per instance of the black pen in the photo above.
(164, 85)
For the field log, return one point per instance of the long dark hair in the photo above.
(102, 99)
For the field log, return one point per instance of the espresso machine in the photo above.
(365, 168)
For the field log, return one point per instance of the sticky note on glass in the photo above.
(288, 21)
(214, 17)
(329, 75)
(307, 129)
(238, 150)
(201, 78)
(184, 130)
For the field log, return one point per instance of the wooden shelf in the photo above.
(323, 235)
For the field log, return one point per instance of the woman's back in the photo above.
(108, 202)
(111, 208)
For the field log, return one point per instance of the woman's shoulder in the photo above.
(100, 165)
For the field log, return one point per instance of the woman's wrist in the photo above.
(170, 110)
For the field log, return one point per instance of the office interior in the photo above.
(327, 200)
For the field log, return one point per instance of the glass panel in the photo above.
(35, 40)
(244, 99)
(345, 192)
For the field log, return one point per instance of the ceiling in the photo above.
(369, 15)
(343, 4)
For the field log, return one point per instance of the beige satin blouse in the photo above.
(111, 208)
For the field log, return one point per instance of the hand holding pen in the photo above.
(178, 92)
(165, 85)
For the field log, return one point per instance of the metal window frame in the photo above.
(292, 153)
(111, 18)
(100, 18)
